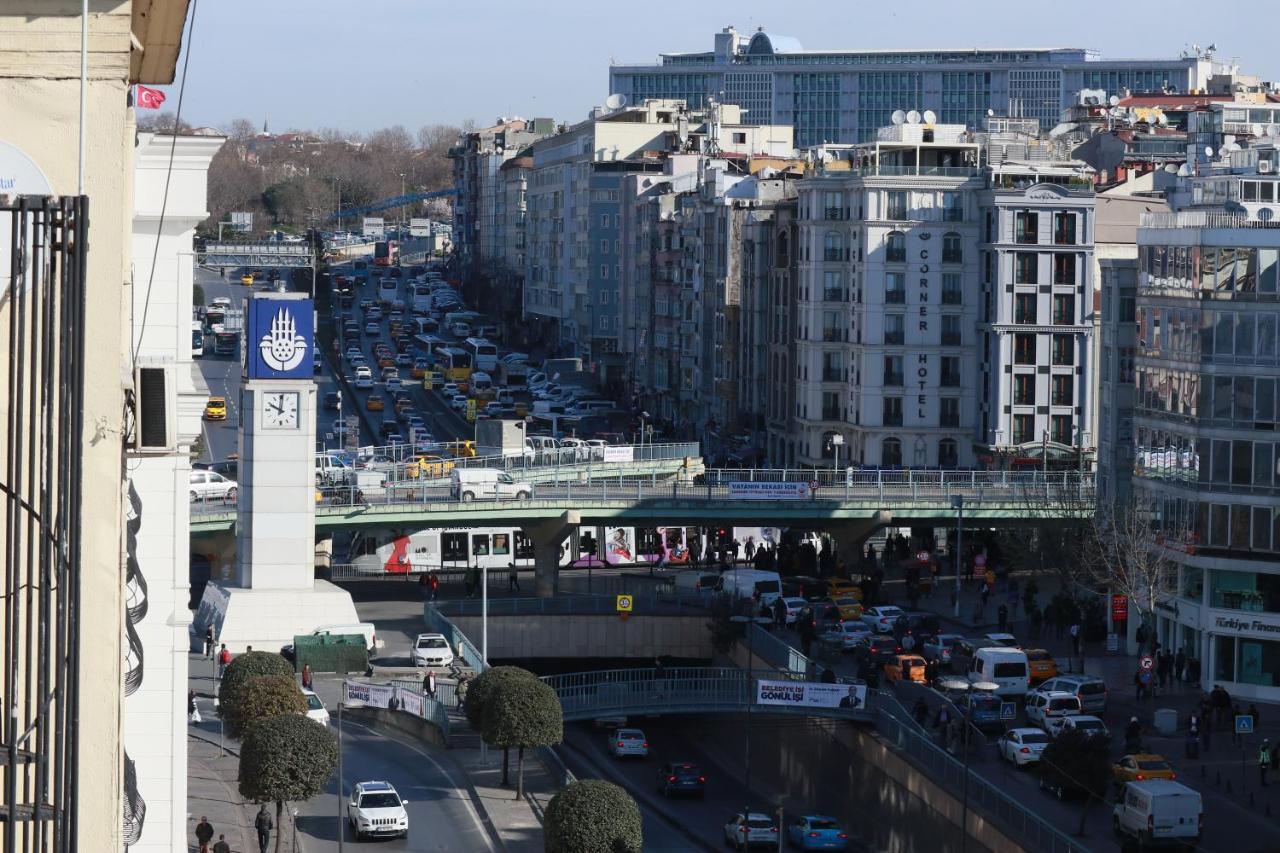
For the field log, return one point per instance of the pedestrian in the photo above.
(1139, 684)
(1180, 666)
(986, 592)
(920, 712)
(779, 614)
(306, 676)
(460, 692)
(1075, 638)
(204, 833)
(222, 846)
(1264, 760)
(434, 586)
(943, 720)
(193, 712)
(1252, 712)
(208, 642)
(224, 659)
(1133, 736)
(263, 824)
(1002, 617)
(513, 578)
(1162, 669)
(429, 684)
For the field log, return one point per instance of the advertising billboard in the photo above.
(374, 226)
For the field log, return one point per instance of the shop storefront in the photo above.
(1244, 653)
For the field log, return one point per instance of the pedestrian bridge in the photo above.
(719, 496)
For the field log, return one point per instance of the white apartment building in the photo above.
(887, 301)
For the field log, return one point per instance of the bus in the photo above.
(484, 355)
(197, 339)
(386, 253)
(454, 363)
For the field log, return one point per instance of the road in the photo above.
(441, 813)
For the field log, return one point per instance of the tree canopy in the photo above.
(263, 697)
(1077, 762)
(522, 713)
(593, 816)
(288, 757)
(483, 685)
(243, 669)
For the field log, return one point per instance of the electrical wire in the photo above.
(164, 203)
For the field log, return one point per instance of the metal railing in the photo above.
(1201, 219)
(433, 710)
(578, 603)
(779, 653)
(462, 647)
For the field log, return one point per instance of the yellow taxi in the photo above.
(1141, 767)
(849, 608)
(429, 467)
(216, 409)
(419, 369)
(905, 668)
(375, 403)
(462, 449)
(246, 279)
(1042, 664)
(843, 588)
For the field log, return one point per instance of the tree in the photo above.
(1077, 762)
(592, 816)
(522, 713)
(197, 295)
(261, 698)
(481, 690)
(288, 757)
(241, 670)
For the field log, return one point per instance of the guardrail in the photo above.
(463, 647)
(781, 654)
(402, 454)
(579, 604)
(433, 710)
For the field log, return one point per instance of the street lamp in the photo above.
(837, 441)
(341, 829)
(957, 503)
(747, 621)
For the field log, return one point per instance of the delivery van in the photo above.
(752, 583)
(1159, 811)
(1007, 668)
(470, 484)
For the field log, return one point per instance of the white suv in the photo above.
(377, 810)
(1049, 710)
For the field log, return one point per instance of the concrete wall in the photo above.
(603, 636)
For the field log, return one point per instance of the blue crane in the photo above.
(389, 203)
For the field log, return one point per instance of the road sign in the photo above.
(1145, 676)
(1147, 662)
(624, 603)
(1008, 710)
(471, 409)
(1244, 724)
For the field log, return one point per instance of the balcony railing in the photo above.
(833, 213)
(953, 257)
(895, 297)
(951, 339)
(893, 418)
(833, 254)
(834, 295)
(832, 414)
(952, 297)
(834, 375)
(833, 335)
(894, 338)
(895, 256)
(1202, 219)
(893, 380)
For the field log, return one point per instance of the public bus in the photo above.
(454, 363)
(386, 253)
(197, 339)
(388, 292)
(484, 355)
(433, 549)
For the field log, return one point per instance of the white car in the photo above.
(458, 403)
(431, 650)
(364, 377)
(794, 605)
(881, 618)
(1050, 710)
(212, 486)
(629, 742)
(1021, 747)
(450, 388)
(754, 828)
(849, 633)
(1007, 641)
(377, 810)
(315, 708)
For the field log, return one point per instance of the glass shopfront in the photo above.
(1246, 660)
(1249, 591)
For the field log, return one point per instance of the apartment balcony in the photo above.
(893, 419)
(952, 297)
(834, 255)
(831, 374)
(832, 336)
(893, 380)
(893, 256)
(835, 295)
(834, 413)
(951, 339)
(894, 338)
(895, 297)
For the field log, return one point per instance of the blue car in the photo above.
(817, 832)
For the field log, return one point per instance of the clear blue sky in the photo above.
(368, 64)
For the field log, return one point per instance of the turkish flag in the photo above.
(149, 99)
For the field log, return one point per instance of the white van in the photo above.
(471, 484)
(745, 583)
(1159, 811)
(1006, 668)
(365, 629)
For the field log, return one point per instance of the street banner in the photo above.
(618, 454)
(811, 694)
(754, 490)
(410, 702)
(371, 695)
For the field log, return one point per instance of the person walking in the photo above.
(1075, 639)
(1252, 713)
(429, 684)
(208, 642)
(1180, 666)
(461, 692)
(1002, 617)
(263, 824)
(920, 712)
(204, 833)
(222, 846)
(193, 713)
(224, 660)
(513, 578)
(306, 676)
(433, 587)
(1264, 760)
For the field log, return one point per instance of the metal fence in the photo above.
(574, 603)
(433, 710)
(779, 653)
(458, 641)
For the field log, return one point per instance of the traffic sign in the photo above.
(1147, 662)
(624, 603)
(1145, 676)
(1244, 724)
(1008, 710)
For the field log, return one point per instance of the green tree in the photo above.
(478, 694)
(593, 816)
(239, 672)
(522, 713)
(261, 698)
(1077, 762)
(197, 295)
(288, 757)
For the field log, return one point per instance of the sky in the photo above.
(359, 66)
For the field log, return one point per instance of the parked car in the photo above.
(1022, 746)
(626, 743)
(681, 777)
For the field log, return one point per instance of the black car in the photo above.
(881, 649)
(388, 428)
(333, 401)
(802, 586)
(681, 777)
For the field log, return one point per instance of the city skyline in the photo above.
(526, 73)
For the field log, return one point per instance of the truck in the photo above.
(512, 375)
(501, 438)
(197, 339)
(226, 334)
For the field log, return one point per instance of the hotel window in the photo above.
(1025, 266)
(951, 330)
(951, 289)
(893, 371)
(1026, 227)
(896, 205)
(833, 247)
(1060, 429)
(952, 207)
(1024, 427)
(894, 328)
(949, 412)
(1064, 229)
(950, 371)
(952, 248)
(1064, 350)
(1064, 269)
(1024, 389)
(892, 411)
(1063, 391)
(895, 288)
(1024, 308)
(891, 453)
(895, 251)
(1024, 349)
(1064, 309)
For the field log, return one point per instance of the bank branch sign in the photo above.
(281, 338)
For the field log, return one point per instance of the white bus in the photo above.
(484, 355)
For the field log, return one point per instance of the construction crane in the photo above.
(389, 203)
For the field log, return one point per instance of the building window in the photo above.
(894, 328)
(893, 371)
(1024, 349)
(1024, 427)
(831, 289)
(1064, 229)
(949, 412)
(831, 406)
(833, 206)
(891, 453)
(1064, 350)
(1025, 268)
(833, 246)
(604, 271)
(1026, 227)
(892, 413)
(1024, 389)
(951, 330)
(1024, 308)
(895, 288)
(950, 371)
(951, 289)
(895, 248)
(948, 454)
(1060, 429)
(1064, 269)
(952, 207)
(952, 248)
(1063, 390)
(896, 205)
(1064, 309)
(833, 367)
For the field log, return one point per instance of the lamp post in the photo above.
(341, 830)
(748, 621)
(957, 503)
(837, 441)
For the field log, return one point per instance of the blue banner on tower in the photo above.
(280, 339)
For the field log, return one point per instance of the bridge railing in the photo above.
(577, 604)
(463, 647)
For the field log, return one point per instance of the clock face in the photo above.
(280, 409)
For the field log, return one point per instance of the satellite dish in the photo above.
(1114, 100)
(1162, 120)
(616, 101)
(898, 117)
(990, 112)
(930, 117)
(1208, 151)
(1184, 171)
(913, 117)
(1228, 138)
(1256, 129)
(1169, 167)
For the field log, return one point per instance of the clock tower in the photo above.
(276, 594)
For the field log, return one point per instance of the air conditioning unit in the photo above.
(1265, 166)
(155, 428)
